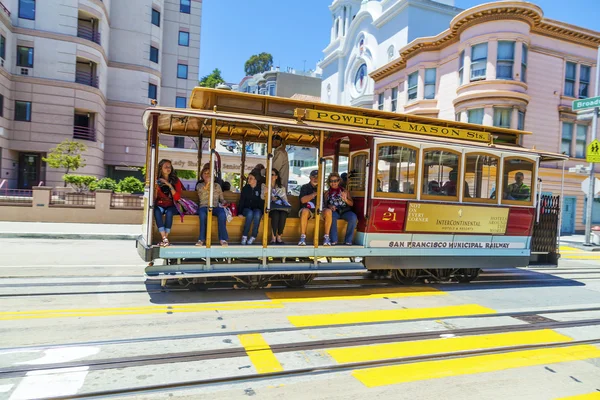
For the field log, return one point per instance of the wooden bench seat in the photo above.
(188, 230)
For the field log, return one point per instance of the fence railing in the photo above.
(16, 197)
(86, 78)
(84, 133)
(59, 198)
(85, 32)
(127, 201)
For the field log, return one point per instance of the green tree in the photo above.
(130, 184)
(66, 155)
(212, 80)
(258, 63)
(81, 183)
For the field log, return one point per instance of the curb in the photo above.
(72, 236)
(580, 246)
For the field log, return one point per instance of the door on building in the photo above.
(568, 215)
(29, 170)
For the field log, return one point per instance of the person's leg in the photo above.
(281, 226)
(170, 212)
(158, 217)
(333, 232)
(352, 220)
(219, 212)
(248, 214)
(327, 217)
(305, 215)
(203, 214)
(257, 215)
(274, 216)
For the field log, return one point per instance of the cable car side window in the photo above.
(396, 170)
(481, 177)
(441, 170)
(519, 175)
(358, 172)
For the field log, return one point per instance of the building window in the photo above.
(272, 90)
(394, 99)
(570, 79)
(502, 117)
(413, 83)
(2, 47)
(179, 142)
(180, 102)
(27, 9)
(153, 54)
(152, 91)
(184, 38)
(185, 6)
(478, 61)
(457, 117)
(461, 66)
(524, 63)
(581, 141)
(155, 17)
(521, 121)
(505, 61)
(1, 109)
(380, 101)
(182, 71)
(390, 53)
(475, 116)
(25, 56)
(23, 111)
(584, 81)
(567, 138)
(430, 83)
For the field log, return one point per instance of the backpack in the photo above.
(186, 207)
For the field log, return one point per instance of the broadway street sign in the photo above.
(582, 104)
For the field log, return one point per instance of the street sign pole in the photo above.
(590, 196)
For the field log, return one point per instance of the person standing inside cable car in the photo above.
(251, 207)
(279, 208)
(280, 160)
(339, 203)
(219, 205)
(167, 191)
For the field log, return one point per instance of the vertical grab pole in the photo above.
(320, 188)
(560, 204)
(243, 167)
(213, 140)
(199, 167)
(268, 197)
(151, 161)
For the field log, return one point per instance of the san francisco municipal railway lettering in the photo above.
(448, 245)
(427, 217)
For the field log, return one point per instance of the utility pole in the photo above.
(590, 196)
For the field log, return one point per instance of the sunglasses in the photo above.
(334, 181)
(273, 175)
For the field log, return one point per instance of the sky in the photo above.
(296, 32)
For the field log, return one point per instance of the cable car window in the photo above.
(518, 178)
(440, 173)
(396, 169)
(358, 172)
(481, 177)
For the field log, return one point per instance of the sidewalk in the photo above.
(44, 230)
(577, 241)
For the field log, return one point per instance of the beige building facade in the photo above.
(505, 64)
(86, 70)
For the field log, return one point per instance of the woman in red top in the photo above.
(167, 191)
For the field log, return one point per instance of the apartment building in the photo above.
(505, 64)
(86, 70)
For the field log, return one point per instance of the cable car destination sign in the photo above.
(392, 125)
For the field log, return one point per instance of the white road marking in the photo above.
(6, 388)
(48, 383)
(61, 355)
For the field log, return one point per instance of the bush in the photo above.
(104, 183)
(81, 183)
(130, 184)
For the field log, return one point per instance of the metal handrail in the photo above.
(84, 133)
(88, 33)
(86, 78)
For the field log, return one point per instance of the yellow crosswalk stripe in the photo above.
(389, 375)
(387, 315)
(586, 396)
(441, 346)
(260, 353)
(352, 294)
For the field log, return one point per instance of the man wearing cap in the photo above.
(280, 160)
(308, 205)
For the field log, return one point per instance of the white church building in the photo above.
(367, 34)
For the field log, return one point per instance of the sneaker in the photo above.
(302, 241)
(326, 241)
(251, 240)
(244, 240)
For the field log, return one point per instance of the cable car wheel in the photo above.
(252, 281)
(298, 280)
(405, 276)
(466, 275)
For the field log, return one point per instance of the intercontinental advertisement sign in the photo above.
(433, 218)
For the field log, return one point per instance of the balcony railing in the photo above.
(85, 32)
(16, 197)
(86, 78)
(84, 133)
(3, 8)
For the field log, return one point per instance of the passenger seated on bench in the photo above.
(167, 191)
(308, 195)
(218, 208)
(280, 207)
(251, 207)
(338, 204)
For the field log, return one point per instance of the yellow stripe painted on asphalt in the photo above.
(586, 396)
(579, 257)
(163, 309)
(352, 294)
(567, 248)
(387, 315)
(260, 353)
(440, 346)
(389, 375)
